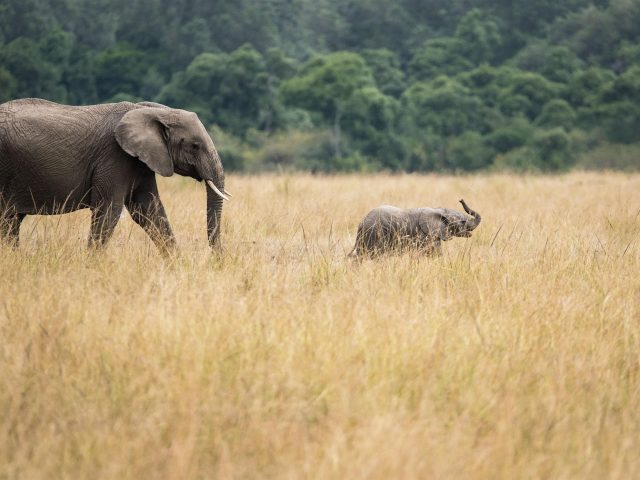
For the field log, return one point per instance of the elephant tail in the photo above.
(357, 248)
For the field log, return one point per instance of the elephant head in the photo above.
(169, 140)
(444, 223)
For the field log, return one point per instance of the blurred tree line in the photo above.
(412, 85)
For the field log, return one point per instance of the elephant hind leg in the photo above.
(359, 249)
(104, 218)
(10, 227)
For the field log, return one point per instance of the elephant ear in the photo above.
(433, 222)
(142, 133)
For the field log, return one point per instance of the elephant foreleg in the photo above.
(104, 218)
(147, 210)
(436, 249)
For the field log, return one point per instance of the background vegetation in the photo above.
(514, 355)
(412, 85)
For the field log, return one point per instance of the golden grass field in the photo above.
(514, 355)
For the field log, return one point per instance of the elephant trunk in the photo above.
(471, 224)
(214, 179)
(214, 216)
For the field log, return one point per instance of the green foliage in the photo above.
(231, 149)
(231, 90)
(441, 56)
(469, 151)
(558, 64)
(326, 83)
(446, 107)
(290, 150)
(120, 69)
(620, 120)
(374, 24)
(479, 36)
(557, 113)
(341, 89)
(550, 151)
(611, 157)
(368, 111)
(297, 150)
(34, 76)
(8, 85)
(352, 85)
(586, 86)
(385, 66)
(515, 134)
(526, 94)
(624, 87)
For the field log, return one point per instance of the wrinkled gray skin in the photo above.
(57, 159)
(387, 228)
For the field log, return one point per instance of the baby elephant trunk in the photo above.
(471, 224)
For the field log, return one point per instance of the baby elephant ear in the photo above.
(434, 224)
(142, 133)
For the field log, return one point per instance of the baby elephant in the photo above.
(391, 228)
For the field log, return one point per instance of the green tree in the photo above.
(469, 152)
(479, 35)
(197, 87)
(56, 47)
(279, 67)
(557, 113)
(33, 75)
(558, 64)
(447, 108)
(245, 90)
(192, 39)
(527, 93)
(530, 18)
(385, 66)
(488, 83)
(325, 85)
(370, 120)
(554, 148)
(624, 87)
(120, 69)
(550, 151)
(374, 24)
(586, 86)
(95, 24)
(229, 90)
(618, 110)
(517, 133)
(79, 77)
(441, 56)
(31, 19)
(8, 85)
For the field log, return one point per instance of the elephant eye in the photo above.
(195, 146)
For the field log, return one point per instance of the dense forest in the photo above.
(327, 85)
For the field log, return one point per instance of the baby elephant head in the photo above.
(446, 223)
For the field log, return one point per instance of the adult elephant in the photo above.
(57, 159)
(388, 228)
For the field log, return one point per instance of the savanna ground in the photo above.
(514, 355)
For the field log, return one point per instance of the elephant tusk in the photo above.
(226, 193)
(215, 189)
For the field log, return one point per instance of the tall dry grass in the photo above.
(514, 355)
